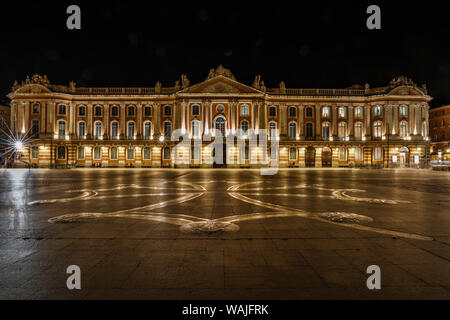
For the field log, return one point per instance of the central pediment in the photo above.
(221, 84)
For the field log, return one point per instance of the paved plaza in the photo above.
(224, 234)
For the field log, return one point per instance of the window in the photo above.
(244, 153)
(403, 111)
(341, 112)
(292, 153)
(166, 153)
(378, 154)
(403, 129)
(358, 154)
(292, 130)
(309, 112)
(342, 132)
(97, 153)
(325, 112)
(61, 109)
(147, 129)
(131, 111)
(244, 110)
(114, 111)
(342, 154)
(130, 153)
(377, 111)
(35, 128)
(34, 152)
(146, 154)
(80, 153)
(61, 128)
(147, 111)
(292, 111)
(114, 129)
(220, 126)
(244, 127)
(81, 111)
(195, 110)
(272, 129)
(36, 108)
(167, 129)
(167, 110)
(358, 130)
(98, 129)
(61, 153)
(309, 130)
(196, 128)
(81, 129)
(195, 153)
(377, 129)
(358, 112)
(325, 130)
(272, 111)
(130, 129)
(98, 111)
(113, 153)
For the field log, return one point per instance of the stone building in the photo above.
(134, 127)
(440, 133)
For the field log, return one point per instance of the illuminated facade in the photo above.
(134, 127)
(440, 133)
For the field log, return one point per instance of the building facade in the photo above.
(4, 127)
(134, 127)
(440, 133)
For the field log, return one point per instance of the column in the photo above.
(283, 120)
(367, 121)
(106, 121)
(411, 119)
(395, 122)
(257, 106)
(123, 129)
(204, 117)
(388, 119)
(157, 120)
(89, 121)
(418, 128)
(350, 122)
(139, 121)
(43, 124)
(27, 117)
(334, 115)
(301, 122)
(71, 120)
(50, 112)
(262, 115)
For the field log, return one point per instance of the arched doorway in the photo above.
(326, 158)
(404, 157)
(310, 157)
(220, 124)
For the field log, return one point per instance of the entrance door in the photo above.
(310, 157)
(404, 157)
(326, 158)
(217, 163)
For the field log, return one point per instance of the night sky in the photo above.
(136, 43)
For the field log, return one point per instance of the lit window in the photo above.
(377, 111)
(196, 128)
(342, 154)
(358, 154)
(358, 130)
(403, 111)
(244, 110)
(358, 112)
(325, 112)
(130, 153)
(377, 129)
(325, 130)
(378, 154)
(403, 129)
(342, 132)
(341, 112)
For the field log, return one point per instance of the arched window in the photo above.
(377, 129)
(342, 132)
(147, 111)
(195, 110)
(167, 110)
(61, 128)
(81, 129)
(325, 112)
(244, 127)
(61, 153)
(195, 128)
(309, 130)
(82, 111)
(292, 153)
(146, 154)
(326, 130)
(147, 129)
(341, 112)
(342, 154)
(244, 110)
(377, 111)
(358, 112)
(167, 129)
(220, 126)
(378, 154)
(166, 153)
(403, 111)
(113, 153)
(292, 130)
(98, 111)
(358, 154)
(80, 153)
(272, 111)
(403, 129)
(309, 112)
(131, 111)
(114, 129)
(292, 112)
(115, 111)
(272, 129)
(130, 153)
(130, 129)
(97, 153)
(358, 130)
(98, 129)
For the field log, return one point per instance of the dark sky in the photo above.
(304, 43)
